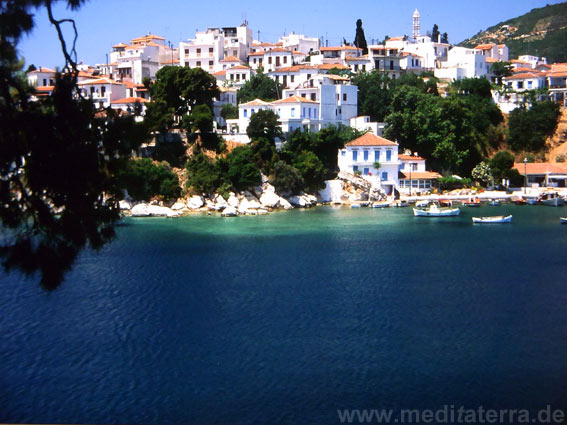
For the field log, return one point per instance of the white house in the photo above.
(41, 77)
(413, 177)
(238, 75)
(103, 91)
(300, 43)
(463, 63)
(276, 58)
(141, 59)
(128, 105)
(227, 95)
(498, 52)
(363, 124)
(362, 154)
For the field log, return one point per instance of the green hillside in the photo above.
(541, 32)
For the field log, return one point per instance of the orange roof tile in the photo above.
(255, 102)
(541, 168)
(278, 50)
(491, 60)
(219, 73)
(395, 39)
(332, 49)
(230, 59)
(485, 46)
(261, 53)
(130, 100)
(295, 99)
(119, 45)
(523, 75)
(421, 175)
(370, 139)
(238, 67)
(98, 81)
(45, 88)
(328, 66)
(410, 158)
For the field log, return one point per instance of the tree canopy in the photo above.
(260, 86)
(60, 159)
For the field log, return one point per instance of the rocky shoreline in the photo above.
(345, 189)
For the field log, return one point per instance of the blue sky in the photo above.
(102, 23)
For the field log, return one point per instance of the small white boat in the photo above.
(563, 220)
(494, 202)
(435, 211)
(422, 204)
(532, 201)
(399, 204)
(493, 219)
(355, 206)
(385, 204)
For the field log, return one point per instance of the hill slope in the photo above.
(540, 32)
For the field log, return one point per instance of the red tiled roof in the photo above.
(98, 81)
(421, 175)
(295, 99)
(130, 100)
(523, 76)
(485, 46)
(278, 50)
(219, 73)
(230, 59)
(119, 45)
(255, 102)
(410, 158)
(370, 139)
(40, 69)
(541, 168)
(44, 88)
(238, 67)
(332, 49)
(260, 53)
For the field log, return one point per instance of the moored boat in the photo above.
(518, 200)
(435, 211)
(384, 204)
(493, 219)
(399, 204)
(494, 202)
(563, 220)
(472, 202)
(532, 201)
(551, 199)
(445, 202)
(422, 204)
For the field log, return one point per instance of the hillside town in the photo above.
(317, 88)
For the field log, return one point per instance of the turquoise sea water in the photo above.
(288, 317)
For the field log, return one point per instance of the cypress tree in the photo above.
(360, 39)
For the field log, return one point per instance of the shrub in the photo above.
(243, 172)
(144, 180)
(286, 178)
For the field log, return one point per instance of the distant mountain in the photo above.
(541, 32)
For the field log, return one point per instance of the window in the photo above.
(355, 168)
(279, 112)
(338, 97)
(270, 60)
(391, 65)
(198, 63)
(251, 112)
(211, 63)
(186, 52)
(210, 51)
(376, 155)
(366, 171)
(344, 97)
(303, 95)
(365, 156)
(313, 96)
(343, 153)
(198, 52)
(291, 78)
(292, 112)
(309, 112)
(245, 113)
(529, 84)
(102, 91)
(384, 175)
(285, 59)
(354, 156)
(44, 81)
(355, 68)
(520, 84)
(303, 115)
(388, 155)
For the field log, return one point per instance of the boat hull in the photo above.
(437, 212)
(493, 219)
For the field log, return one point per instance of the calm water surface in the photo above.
(288, 317)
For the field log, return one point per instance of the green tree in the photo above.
(374, 95)
(242, 171)
(501, 70)
(311, 169)
(59, 159)
(175, 92)
(435, 34)
(229, 111)
(286, 179)
(529, 128)
(445, 38)
(203, 174)
(264, 124)
(144, 180)
(200, 119)
(359, 38)
(260, 86)
(500, 164)
(171, 151)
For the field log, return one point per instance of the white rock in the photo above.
(220, 203)
(312, 200)
(243, 207)
(195, 202)
(284, 203)
(229, 212)
(145, 210)
(179, 205)
(253, 204)
(125, 205)
(261, 211)
(141, 210)
(233, 200)
(269, 199)
(267, 187)
(298, 201)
